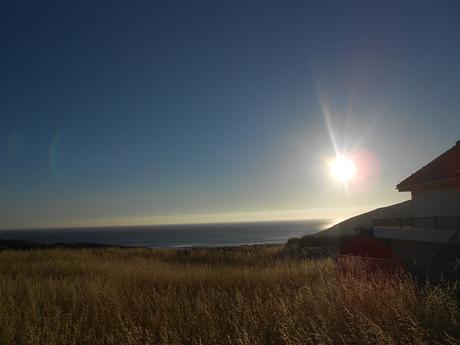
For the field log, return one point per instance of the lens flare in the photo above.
(342, 169)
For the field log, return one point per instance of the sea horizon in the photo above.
(220, 234)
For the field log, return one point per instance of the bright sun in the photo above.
(342, 169)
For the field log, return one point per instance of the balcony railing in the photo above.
(419, 222)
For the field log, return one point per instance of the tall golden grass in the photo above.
(210, 296)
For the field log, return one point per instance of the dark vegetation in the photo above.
(360, 244)
(27, 245)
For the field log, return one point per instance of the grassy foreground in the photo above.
(210, 296)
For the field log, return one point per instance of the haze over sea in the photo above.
(183, 235)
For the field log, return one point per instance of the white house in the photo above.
(434, 227)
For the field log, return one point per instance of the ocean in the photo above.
(184, 235)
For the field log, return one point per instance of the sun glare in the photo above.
(342, 169)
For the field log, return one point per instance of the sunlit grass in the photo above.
(239, 296)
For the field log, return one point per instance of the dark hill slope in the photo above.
(347, 227)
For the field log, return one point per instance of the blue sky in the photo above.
(120, 112)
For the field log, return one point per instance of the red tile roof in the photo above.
(444, 169)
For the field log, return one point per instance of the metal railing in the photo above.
(419, 222)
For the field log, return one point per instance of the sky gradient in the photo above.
(122, 112)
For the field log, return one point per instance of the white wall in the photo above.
(440, 202)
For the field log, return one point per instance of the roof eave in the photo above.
(427, 185)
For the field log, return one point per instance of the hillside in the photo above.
(347, 227)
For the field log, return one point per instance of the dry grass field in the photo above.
(211, 296)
